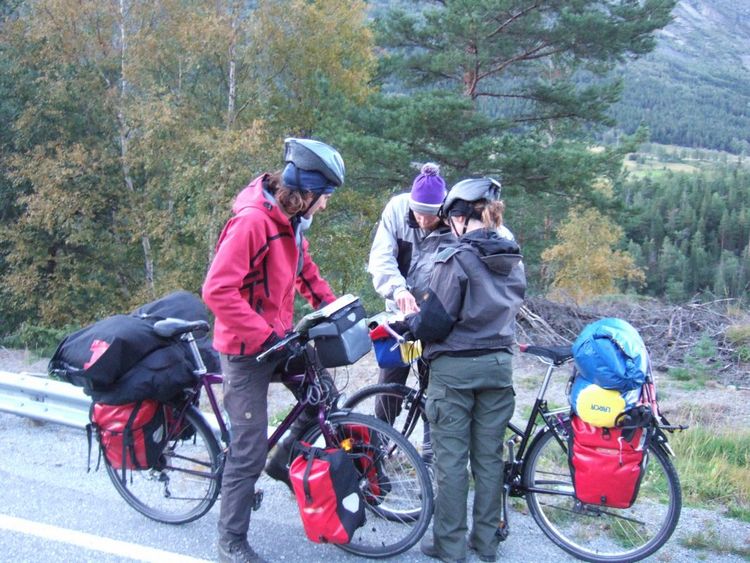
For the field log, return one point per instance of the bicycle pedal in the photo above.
(257, 499)
(503, 531)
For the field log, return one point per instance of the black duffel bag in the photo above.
(96, 356)
(188, 306)
(121, 359)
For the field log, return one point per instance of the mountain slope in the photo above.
(694, 89)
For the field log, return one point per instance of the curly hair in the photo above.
(290, 201)
(492, 214)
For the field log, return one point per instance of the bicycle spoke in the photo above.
(598, 533)
(185, 485)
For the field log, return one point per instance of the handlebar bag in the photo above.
(389, 353)
(326, 486)
(341, 338)
(606, 467)
(131, 436)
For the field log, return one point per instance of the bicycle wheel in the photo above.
(595, 533)
(397, 515)
(411, 421)
(185, 483)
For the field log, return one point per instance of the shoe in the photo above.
(427, 547)
(238, 552)
(277, 469)
(488, 558)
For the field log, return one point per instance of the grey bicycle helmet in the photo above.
(472, 189)
(312, 165)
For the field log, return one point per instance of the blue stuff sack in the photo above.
(392, 353)
(611, 354)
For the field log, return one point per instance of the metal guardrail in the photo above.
(36, 396)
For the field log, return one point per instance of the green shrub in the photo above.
(40, 339)
(697, 368)
(738, 334)
(743, 353)
(739, 337)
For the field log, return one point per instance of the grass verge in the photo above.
(714, 468)
(709, 540)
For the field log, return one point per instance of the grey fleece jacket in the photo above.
(476, 289)
(402, 254)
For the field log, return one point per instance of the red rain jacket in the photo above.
(251, 282)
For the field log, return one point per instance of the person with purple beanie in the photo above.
(401, 258)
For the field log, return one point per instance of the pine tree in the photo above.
(530, 80)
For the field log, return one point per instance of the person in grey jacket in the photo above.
(408, 234)
(408, 237)
(466, 325)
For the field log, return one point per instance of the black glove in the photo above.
(277, 356)
(402, 328)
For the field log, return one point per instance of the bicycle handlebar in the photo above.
(283, 343)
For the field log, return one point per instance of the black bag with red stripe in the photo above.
(326, 485)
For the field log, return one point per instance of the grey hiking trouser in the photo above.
(469, 404)
(246, 404)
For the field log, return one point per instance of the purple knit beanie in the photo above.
(428, 190)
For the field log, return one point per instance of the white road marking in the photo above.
(90, 541)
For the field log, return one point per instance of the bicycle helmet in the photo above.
(312, 166)
(467, 191)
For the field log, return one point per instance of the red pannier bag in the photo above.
(607, 468)
(367, 452)
(130, 435)
(326, 485)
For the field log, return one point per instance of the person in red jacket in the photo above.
(261, 259)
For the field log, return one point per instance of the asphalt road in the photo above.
(51, 509)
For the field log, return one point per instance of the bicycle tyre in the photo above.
(397, 519)
(593, 533)
(411, 419)
(186, 482)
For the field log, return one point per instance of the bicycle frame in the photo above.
(514, 465)
(416, 398)
(304, 380)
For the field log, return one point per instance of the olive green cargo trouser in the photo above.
(469, 404)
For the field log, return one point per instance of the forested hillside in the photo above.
(130, 126)
(690, 232)
(693, 90)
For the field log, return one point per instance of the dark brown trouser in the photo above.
(387, 409)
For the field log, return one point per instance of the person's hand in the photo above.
(277, 356)
(401, 328)
(405, 301)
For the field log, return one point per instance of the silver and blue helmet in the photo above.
(312, 166)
